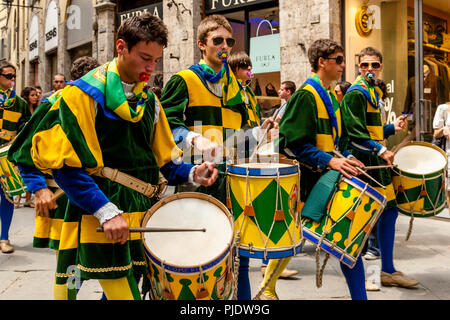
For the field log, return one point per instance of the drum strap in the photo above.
(133, 183)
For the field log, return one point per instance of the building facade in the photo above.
(275, 33)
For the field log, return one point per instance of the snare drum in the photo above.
(10, 178)
(419, 179)
(190, 265)
(349, 214)
(264, 199)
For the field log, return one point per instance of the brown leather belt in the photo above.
(133, 183)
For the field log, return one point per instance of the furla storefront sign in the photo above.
(154, 9)
(214, 6)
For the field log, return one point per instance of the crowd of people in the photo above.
(108, 116)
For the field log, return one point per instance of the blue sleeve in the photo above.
(33, 178)
(366, 146)
(388, 130)
(80, 188)
(312, 156)
(176, 173)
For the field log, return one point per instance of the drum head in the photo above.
(192, 211)
(420, 159)
(4, 150)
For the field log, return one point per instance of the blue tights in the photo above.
(356, 280)
(386, 235)
(6, 214)
(243, 289)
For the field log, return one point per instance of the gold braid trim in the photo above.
(64, 275)
(122, 268)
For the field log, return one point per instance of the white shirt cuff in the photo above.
(191, 178)
(190, 136)
(351, 156)
(257, 133)
(382, 151)
(107, 212)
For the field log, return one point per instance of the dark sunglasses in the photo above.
(219, 40)
(375, 65)
(339, 59)
(244, 65)
(8, 76)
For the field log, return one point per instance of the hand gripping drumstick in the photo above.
(360, 170)
(58, 193)
(159, 230)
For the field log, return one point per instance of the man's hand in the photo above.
(401, 123)
(211, 151)
(388, 156)
(446, 132)
(43, 202)
(205, 174)
(117, 229)
(346, 166)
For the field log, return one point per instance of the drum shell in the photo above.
(260, 236)
(175, 282)
(410, 188)
(348, 227)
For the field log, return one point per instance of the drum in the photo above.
(190, 265)
(11, 180)
(350, 211)
(419, 179)
(263, 198)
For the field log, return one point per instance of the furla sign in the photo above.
(214, 6)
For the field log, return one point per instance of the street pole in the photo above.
(418, 49)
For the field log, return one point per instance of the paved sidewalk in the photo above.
(27, 274)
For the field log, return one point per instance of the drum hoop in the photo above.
(425, 144)
(372, 192)
(190, 195)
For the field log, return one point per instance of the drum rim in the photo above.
(292, 169)
(427, 175)
(190, 195)
(382, 199)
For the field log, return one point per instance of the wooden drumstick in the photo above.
(360, 170)
(381, 167)
(269, 126)
(159, 230)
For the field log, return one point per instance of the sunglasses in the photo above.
(244, 65)
(365, 65)
(339, 59)
(219, 40)
(8, 76)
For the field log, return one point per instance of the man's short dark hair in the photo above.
(59, 74)
(145, 27)
(290, 85)
(322, 48)
(371, 51)
(235, 58)
(82, 65)
(5, 64)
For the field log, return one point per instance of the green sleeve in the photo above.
(299, 123)
(175, 99)
(353, 110)
(26, 113)
(19, 152)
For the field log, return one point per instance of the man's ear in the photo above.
(201, 45)
(121, 46)
(321, 62)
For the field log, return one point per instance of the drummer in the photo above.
(14, 114)
(204, 103)
(311, 140)
(362, 115)
(48, 223)
(112, 119)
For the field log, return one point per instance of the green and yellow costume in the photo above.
(14, 114)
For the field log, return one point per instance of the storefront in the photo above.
(51, 42)
(79, 29)
(33, 50)
(256, 28)
(389, 26)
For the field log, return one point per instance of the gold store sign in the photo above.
(364, 21)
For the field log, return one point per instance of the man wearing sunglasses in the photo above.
(14, 113)
(204, 104)
(363, 120)
(311, 129)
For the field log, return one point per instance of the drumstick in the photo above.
(159, 230)
(405, 141)
(381, 167)
(274, 116)
(360, 170)
(58, 193)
